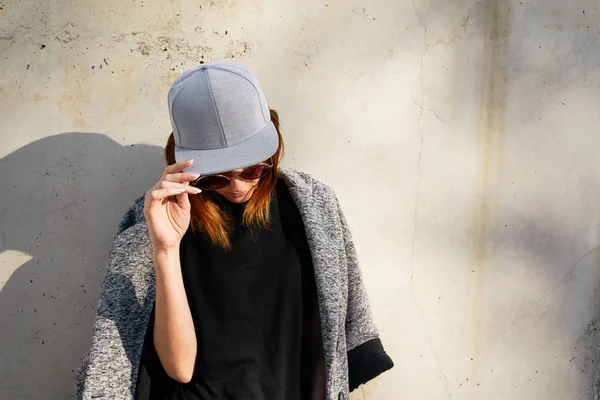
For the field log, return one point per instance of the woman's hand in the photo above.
(167, 210)
(167, 206)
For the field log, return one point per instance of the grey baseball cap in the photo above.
(220, 118)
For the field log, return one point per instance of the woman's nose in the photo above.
(236, 183)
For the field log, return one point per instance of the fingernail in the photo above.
(196, 190)
(191, 160)
(195, 175)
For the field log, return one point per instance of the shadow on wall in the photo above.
(62, 198)
(572, 265)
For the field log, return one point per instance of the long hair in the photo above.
(206, 215)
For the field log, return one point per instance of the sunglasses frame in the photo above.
(268, 167)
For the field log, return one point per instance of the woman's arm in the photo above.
(167, 210)
(174, 335)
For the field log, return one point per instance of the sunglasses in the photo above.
(219, 181)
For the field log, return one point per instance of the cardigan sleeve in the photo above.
(87, 379)
(366, 356)
(116, 292)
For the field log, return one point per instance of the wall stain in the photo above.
(492, 125)
(456, 22)
(66, 36)
(163, 47)
(586, 352)
(8, 38)
(456, 34)
(146, 45)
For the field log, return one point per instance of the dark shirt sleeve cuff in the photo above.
(366, 362)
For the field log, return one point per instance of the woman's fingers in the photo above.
(161, 194)
(177, 167)
(174, 182)
(181, 177)
(185, 186)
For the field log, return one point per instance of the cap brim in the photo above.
(258, 148)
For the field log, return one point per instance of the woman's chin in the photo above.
(238, 197)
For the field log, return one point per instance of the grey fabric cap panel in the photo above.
(220, 118)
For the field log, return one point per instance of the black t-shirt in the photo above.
(252, 308)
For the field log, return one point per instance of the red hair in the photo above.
(206, 215)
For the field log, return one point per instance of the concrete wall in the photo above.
(461, 137)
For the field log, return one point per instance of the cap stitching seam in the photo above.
(216, 107)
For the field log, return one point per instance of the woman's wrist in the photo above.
(166, 260)
(159, 251)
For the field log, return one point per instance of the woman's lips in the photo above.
(238, 195)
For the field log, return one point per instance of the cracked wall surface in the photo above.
(461, 137)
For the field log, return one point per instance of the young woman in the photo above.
(233, 277)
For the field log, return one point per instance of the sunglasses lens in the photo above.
(254, 172)
(212, 182)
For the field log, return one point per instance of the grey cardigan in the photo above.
(352, 349)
